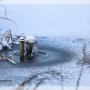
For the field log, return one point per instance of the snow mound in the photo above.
(21, 38)
(30, 39)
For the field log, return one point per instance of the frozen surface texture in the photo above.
(63, 68)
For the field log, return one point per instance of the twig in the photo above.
(28, 80)
(6, 15)
(84, 53)
(79, 77)
(40, 82)
(3, 57)
(59, 74)
(10, 60)
(5, 10)
(5, 18)
(83, 61)
(21, 86)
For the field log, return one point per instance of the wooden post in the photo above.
(21, 48)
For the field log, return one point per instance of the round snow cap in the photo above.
(21, 38)
(30, 39)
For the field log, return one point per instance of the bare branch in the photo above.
(10, 60)
(5, 18)
(83, 61)
(21, 86)
(28, 80)
(59, 74)
(84, 53)
(79, 78)
(5, 10)
(40, 82)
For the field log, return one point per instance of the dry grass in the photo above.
(84, 54)
(28, 80)
(41, 80)
(79, 78)
(58, 74)
(21, 86)
(39, 83)
(4, 57)
(84, 58)
(5, 16)
(7, 36)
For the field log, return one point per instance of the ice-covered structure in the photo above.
(31, 45)
(30, 39)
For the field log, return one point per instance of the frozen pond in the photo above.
(54, 56)
(61, 66)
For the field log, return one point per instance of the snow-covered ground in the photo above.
(58, 76)
(63, 69)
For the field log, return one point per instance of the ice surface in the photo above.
(69, 70)
(51, 20)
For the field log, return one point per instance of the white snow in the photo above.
(30, 39)
(69, 70)
(4, 43)
(46, 20)
(21, 38)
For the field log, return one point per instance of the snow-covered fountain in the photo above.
(29, 49)
(36, 50)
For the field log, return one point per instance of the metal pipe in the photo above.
(21, 48)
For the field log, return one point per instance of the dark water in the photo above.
(54, 56)
(14, 74)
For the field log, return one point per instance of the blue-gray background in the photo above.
(48, 19)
